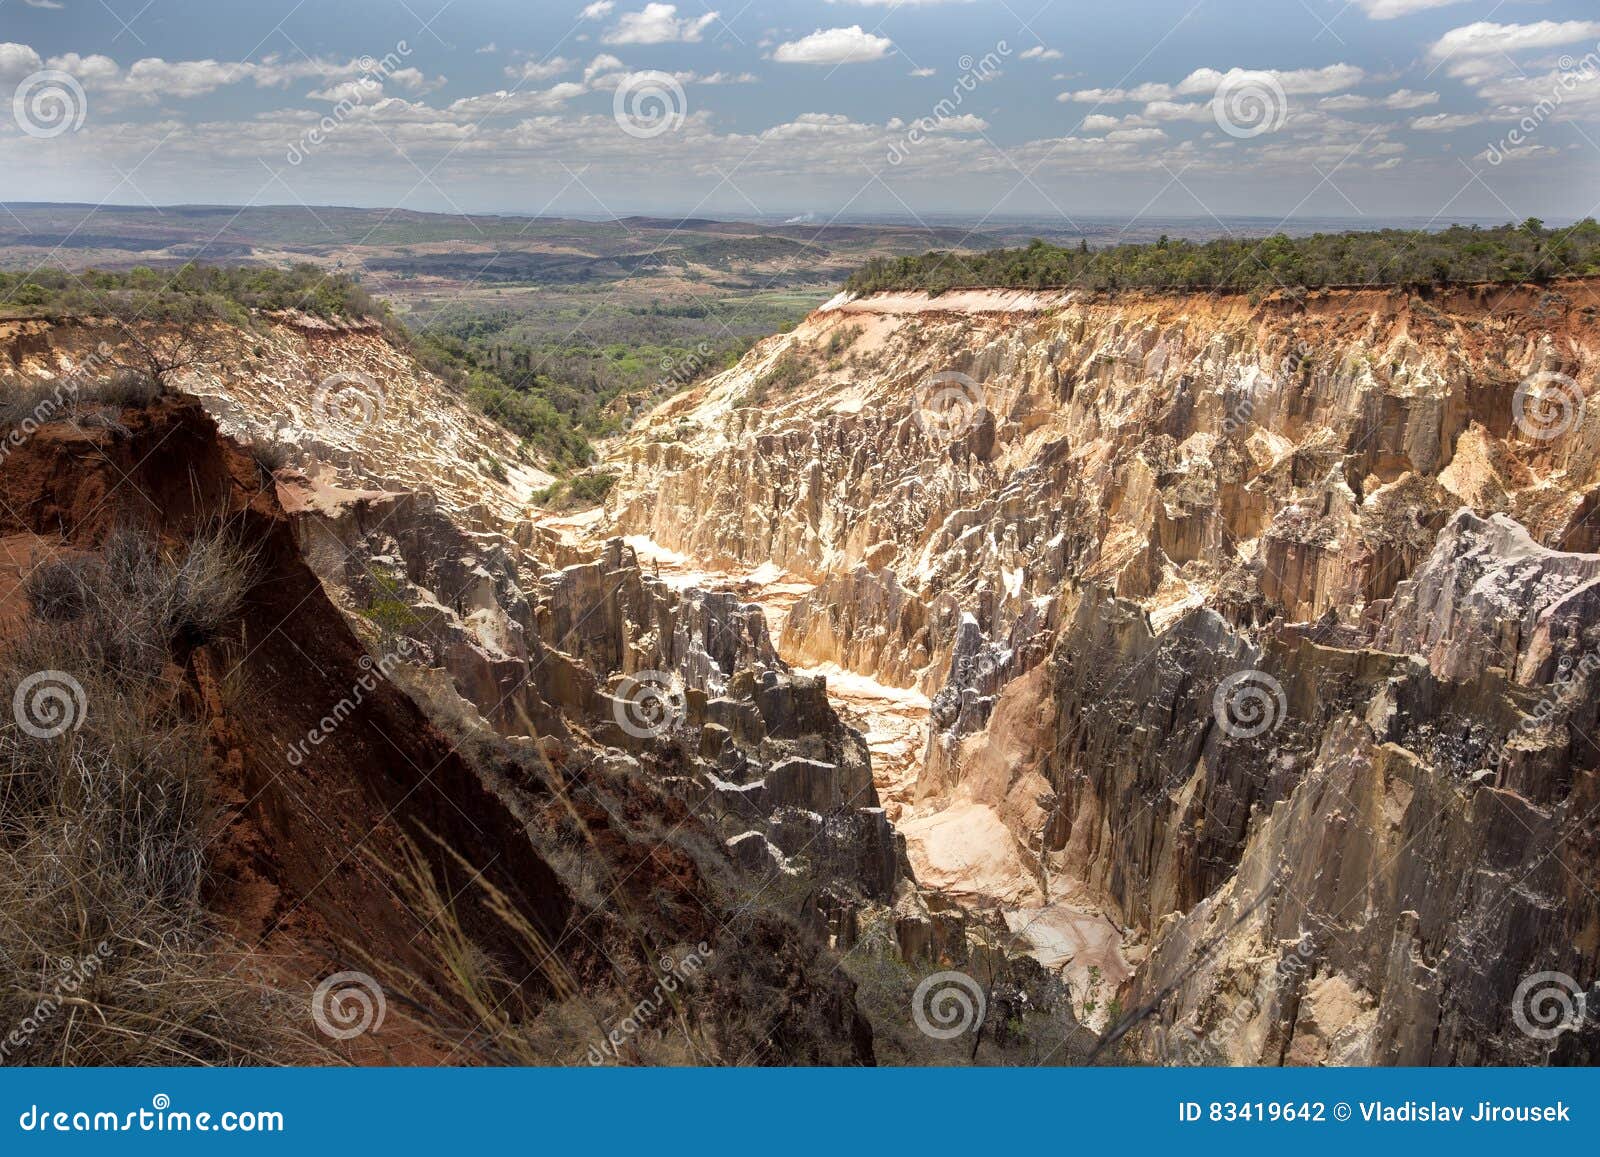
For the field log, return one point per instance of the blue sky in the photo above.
(1456, 108)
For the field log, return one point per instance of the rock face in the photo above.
(1270, 627)
(396, 507)
(336, 399)
(1268, 631)
(286, 871)
(654, 727)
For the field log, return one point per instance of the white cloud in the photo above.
(601, 64)
(93, 70)
(154, 79)
(834, 46)
(816, 124)
(1198, 111)
(1444, 122)
(1406, 99)
(54, 4)
(1300, 81)
(1390, 9)
(599, 10)
(354, 91)
(965, 123)
(1099, 122)
(505, 103)
(1136, 136)
(1142, 92)
(1040, 52)
(1486, 39)
(17, 61)
(658, 24)
(1521, 153)
(1204, 82)
(412, 80)
(1525, 92)
(487, 49)
(600, 77)
(921, 72)
(539, 69)
(1403, 99)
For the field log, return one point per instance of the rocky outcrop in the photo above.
(1268, 625)
(585, 820)
(1262, 631)
(1435, 852)
(329, 769)
(336, 399)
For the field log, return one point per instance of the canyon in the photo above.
(1230, 615)
(1218, 673)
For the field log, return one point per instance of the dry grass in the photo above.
(126, 387)
(484, 1013)
(135, 601)
(106, 954)
(54, 399)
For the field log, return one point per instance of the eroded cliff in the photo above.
(1266, 628)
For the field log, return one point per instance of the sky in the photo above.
(815, 109)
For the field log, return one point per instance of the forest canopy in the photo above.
(1461, 253)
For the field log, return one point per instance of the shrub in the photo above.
(125, 388)
(106, 953)
(271, 456)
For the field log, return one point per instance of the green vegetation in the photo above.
(385, 608)
(1515, 253)
(191, 292)
(544, 378)
(549, 385)
(577, 492)
(787, 372)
